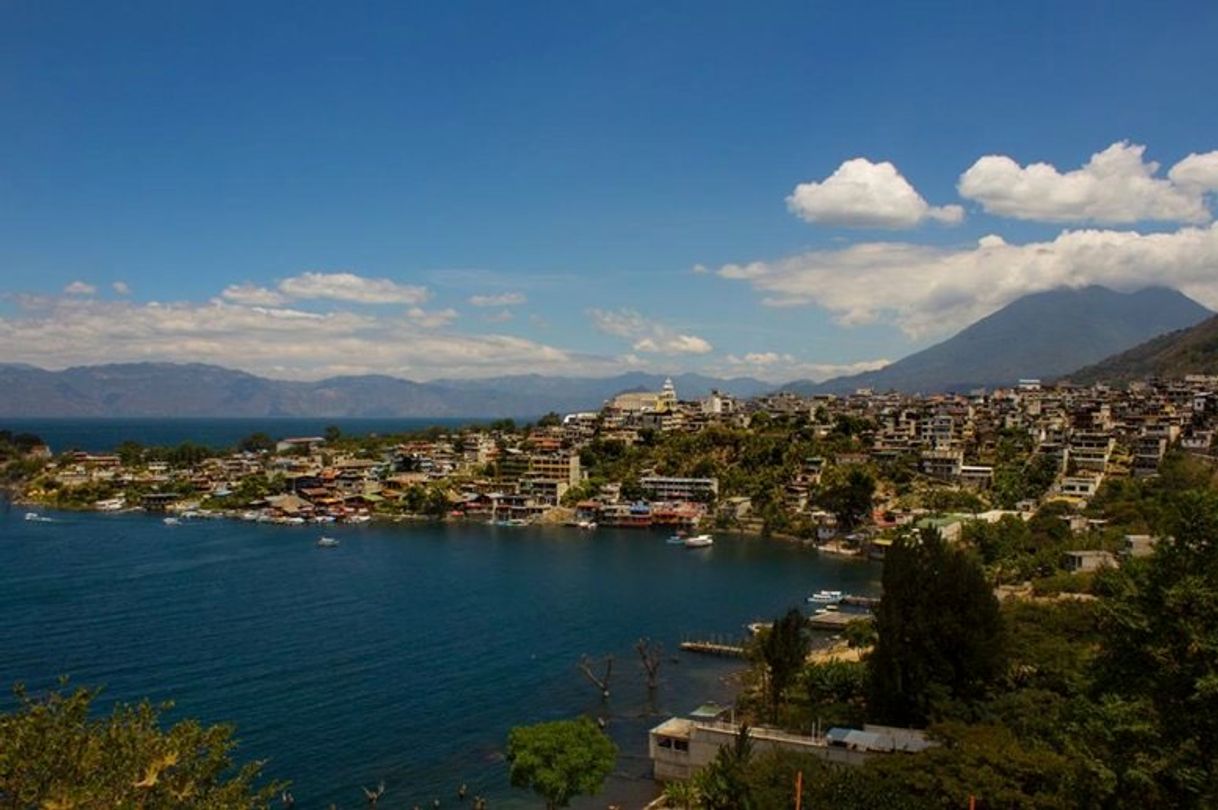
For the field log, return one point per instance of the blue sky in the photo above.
(465, 189)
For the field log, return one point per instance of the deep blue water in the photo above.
(99, 435)
(405, 654)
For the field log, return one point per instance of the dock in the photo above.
(861, 601)
(713, 648)
(835, 620)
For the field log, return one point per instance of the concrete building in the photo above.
(668, 488)
(680, 746)
(1088, 560)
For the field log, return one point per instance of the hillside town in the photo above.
(834, 470)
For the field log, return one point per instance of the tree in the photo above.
(333, 433)
(130, 453)
(784, 648)
(256, 443)
(560, 760)
(1158, 662)
(551, 419)
(681, 793)
(939, 631)
(724, 783)
(56, 753)
(850, 498)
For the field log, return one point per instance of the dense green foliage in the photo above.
(940, 635)
(56, 754)
(1105, 700)
(784, 648)
(560, 760)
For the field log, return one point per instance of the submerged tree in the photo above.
(939, 631)
(56, 753)
(560, 760)
(651, 655)
(600, 682)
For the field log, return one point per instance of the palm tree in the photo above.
(683, 794)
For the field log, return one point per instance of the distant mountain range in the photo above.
(196, 390)
(1043, 335)
(1186, 351)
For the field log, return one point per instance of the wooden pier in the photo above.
(713, 648)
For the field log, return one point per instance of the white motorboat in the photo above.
(699, 541)
(171, 521)
(824, 597)
(327, 542)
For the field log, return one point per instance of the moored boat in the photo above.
(823, 597)
(327, 542)
(699, 541)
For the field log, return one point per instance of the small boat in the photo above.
(677, 539)
(172, 521)
(327, 542)
(699, 541)
(37, 518)
(823, 597)
(589, 525)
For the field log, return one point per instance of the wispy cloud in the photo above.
(351, 288)
(507, 299)
(80, 288)
(647, 335)
(782, 367)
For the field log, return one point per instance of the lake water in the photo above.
(405, 654)
(100, 435)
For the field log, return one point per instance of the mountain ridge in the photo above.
(1175, 354)
(1041, 335)
(161, 389)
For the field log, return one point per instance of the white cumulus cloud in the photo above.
(934, 290)
(1115, 186)
(647, 335)
(121, 288)
(80, 288)
(507, 299)
(862, 194)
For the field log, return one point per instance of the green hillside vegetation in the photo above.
(1176, 354)
(1104, 700)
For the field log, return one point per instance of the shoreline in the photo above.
(14, 497)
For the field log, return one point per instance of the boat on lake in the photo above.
(699, 541)
(824, 597)
(171, 521)
(327, 542)
(37, 518)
